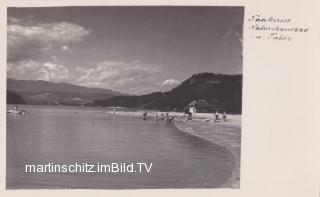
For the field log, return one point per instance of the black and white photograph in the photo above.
(124, 97)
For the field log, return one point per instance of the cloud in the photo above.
(34, 70)
(170, 82)
(65, 48)
(130, 77)
(13, 20)
(29, 39)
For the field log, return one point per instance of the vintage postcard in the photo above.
(209, 98)
(124, 97)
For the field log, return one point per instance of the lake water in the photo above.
(68, 135)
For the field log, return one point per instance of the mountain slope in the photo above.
(14, 98)
(225, 90)
(49, 93)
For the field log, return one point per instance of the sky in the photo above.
(134, 50)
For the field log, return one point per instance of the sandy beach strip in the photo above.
(226, 134)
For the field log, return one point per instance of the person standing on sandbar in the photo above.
(217, 116)
(224, 116)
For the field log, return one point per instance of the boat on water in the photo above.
(16, 111)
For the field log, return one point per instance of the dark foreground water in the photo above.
(66, 136)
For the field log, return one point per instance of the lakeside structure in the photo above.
(202, 106)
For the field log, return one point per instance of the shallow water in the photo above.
(69, 135)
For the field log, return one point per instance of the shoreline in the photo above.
(234, 181)
(226, 134)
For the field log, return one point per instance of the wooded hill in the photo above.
(216, 89)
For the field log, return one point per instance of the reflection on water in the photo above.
(66, 136)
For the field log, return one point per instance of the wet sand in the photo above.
(226, 134)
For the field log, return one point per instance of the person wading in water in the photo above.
(145, 115)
